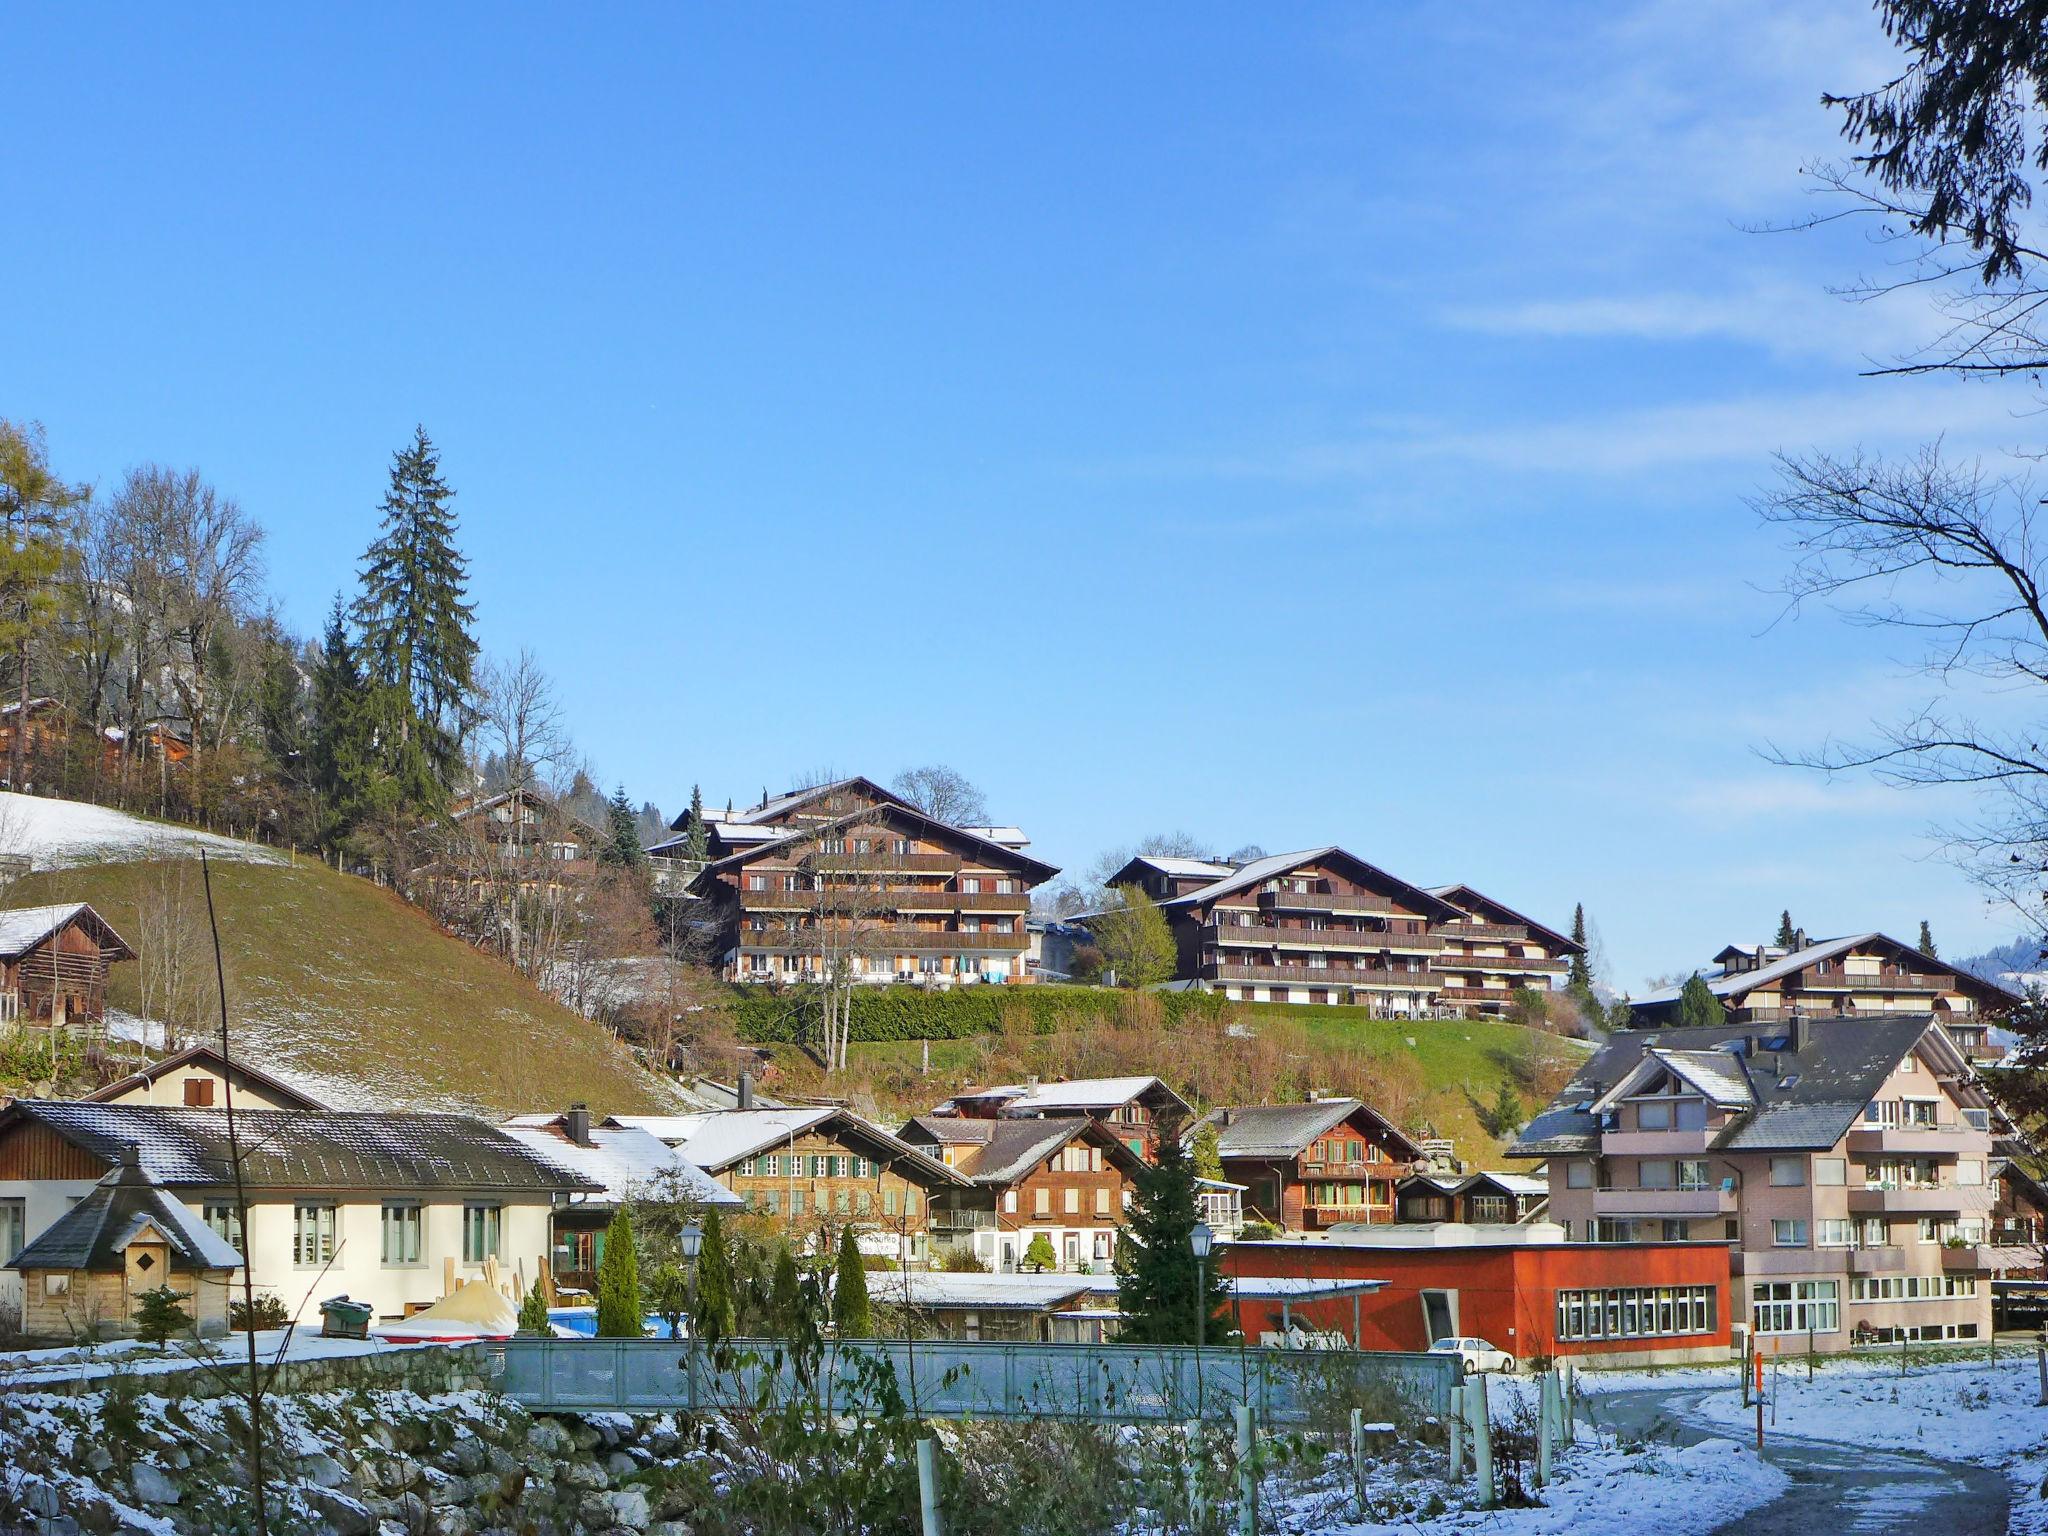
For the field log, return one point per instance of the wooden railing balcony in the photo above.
(1484, 930)
(881, 899)
(956, 901)
(883, 939)
(1501, 995)
(1836, 981)
(878, 863)
(1270, 935)
(1322, 901)
(1321, 976)
(1505, 965)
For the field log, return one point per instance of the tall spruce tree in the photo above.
(716, 1306)
(342, 766)
(1579, 975)
(621, 846)
(416, 629)
(1697, 1005)
(851, 1316)
(1927, 939)
(697, 841)
(1788, 936)
(34, 508)
(1156, 1261)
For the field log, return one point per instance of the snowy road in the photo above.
(1835, 1487)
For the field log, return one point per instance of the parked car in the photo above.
(1477, 1354)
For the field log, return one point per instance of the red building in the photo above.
(1625, 1303)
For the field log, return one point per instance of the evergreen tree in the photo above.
(1788, 936)
(1622, 1015)
(533, 1313)
(1579, 976)
(159, 1317)
(341, 767)
(1503, 1117)
(416, 627)
(281, 711)
(1697, 1004)
(715, 1291)
(1038, 1255)
(619, 1315)
(697, 840)
(851, 1317)
(785, 1295)
(621, 847)
(1156, 1261)
(1207, 1150)
(1927, 939)
(34, 506)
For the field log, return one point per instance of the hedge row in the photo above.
(767, 1015)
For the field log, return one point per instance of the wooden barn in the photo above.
(54, 963)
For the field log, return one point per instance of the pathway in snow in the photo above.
(1835, 1487)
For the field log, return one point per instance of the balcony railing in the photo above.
(884, 939)
(1714, 1201)
(1501, 965)
(1674, 1143)
(1484, 931)
(957, 901)
(943, 1220)
(1836, 982)
(1971, 1257)
(1919, 1200)
(1501, 995)
(1322, 901)
(1324, 976)
(1351, 1170)
(1936, 1140)
(878, 863)
(1272, 936)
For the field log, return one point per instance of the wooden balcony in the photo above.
(1273, 936)
(1322, 901)
(1500, 995)
(1894, 986)
(1518, 931)
(1325, 976)
(878, 864)
(956, 901)
(883, 939)
(1497, 965)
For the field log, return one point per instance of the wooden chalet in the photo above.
(1134, 1109)
(1490, 952)
(1481, 1199)
(846, 878)
(1311, 1166)
(1316, 926)
(54, 963)
(1865, 975)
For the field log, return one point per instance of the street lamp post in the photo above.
(1201, 1239)
(691, 1240)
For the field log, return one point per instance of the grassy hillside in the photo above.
(1435, 1075)
(346, 990)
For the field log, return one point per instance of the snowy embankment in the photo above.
(53, 834)
(1963, 1411)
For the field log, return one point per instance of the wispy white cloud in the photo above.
(1789, 792)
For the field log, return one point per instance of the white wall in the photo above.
(44, 1201)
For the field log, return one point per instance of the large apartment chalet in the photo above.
(1844, 1162)
(1490, 952)
(1315, 1165)
(846, 878)
(1865, 975)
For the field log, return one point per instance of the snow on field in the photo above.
(56, 833)
(1960, 1411)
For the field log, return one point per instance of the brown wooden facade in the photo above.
(854, 881)
(1070, 1180)
(1309, 1167)
(54, 964)
(1490, 952)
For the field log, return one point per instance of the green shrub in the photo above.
(780, 1015)
(270, 1313)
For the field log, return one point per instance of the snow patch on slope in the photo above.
(54, 834)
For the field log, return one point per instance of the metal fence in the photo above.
(948, 1378)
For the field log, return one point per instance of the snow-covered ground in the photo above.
(1963, 1411)
(30, 1367)
(55, 833)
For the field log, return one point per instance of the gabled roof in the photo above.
(626, 1161)
(1726, 983)
(23, 928)
(1284, 1130)
(716, 1140)
(796, 799)
(1719, 1077)
(1804, 1101)
(1035, 870)
(948, 1130)
(95, 1233)
(293, 1149)
(1015, 1147)
(1520, 1185)
(1175, 866)
(1479, 904)
(1071, 1096)
(208, 1056)
(1274, 865)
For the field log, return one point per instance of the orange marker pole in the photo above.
(1758, 1357)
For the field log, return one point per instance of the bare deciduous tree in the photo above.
(944, 794)
(522, 720)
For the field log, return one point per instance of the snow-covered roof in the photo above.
(714, 1141)
(625, 1160)
(1283, 1130)
(1464, 897)
(23, 928)
(95, 1233)
(1009, 837)
(1726, 983)
(1174, 864)
(1274, 865)
(982, 1293)
(1079, 1095)
(297, 1149)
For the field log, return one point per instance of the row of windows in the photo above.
(846, 1202)
(1070, 1201)
(316, 1228)
(1912, 1287)
(1635, 1312)
(1796, 1306)
(1335, 1149)
(818, 1165)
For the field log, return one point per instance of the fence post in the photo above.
(1546, 1423)
(1455, 1422)
(1567, 1385)
(1358, 1459)
(928, 1485)
(2041, 1360)
(1482, 1437)
(1247, 1475)
(1198, 1503)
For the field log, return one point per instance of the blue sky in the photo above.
(1331, 424)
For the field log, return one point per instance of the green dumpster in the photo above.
(341, 1318)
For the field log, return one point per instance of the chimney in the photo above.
(1031, 1084)
(1229, 1116)
(131, 1155)
(578, 1125)
(1799, 1034)
(744, 1099)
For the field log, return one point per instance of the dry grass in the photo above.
(343, 987)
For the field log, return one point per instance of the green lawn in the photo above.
(360, 997)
